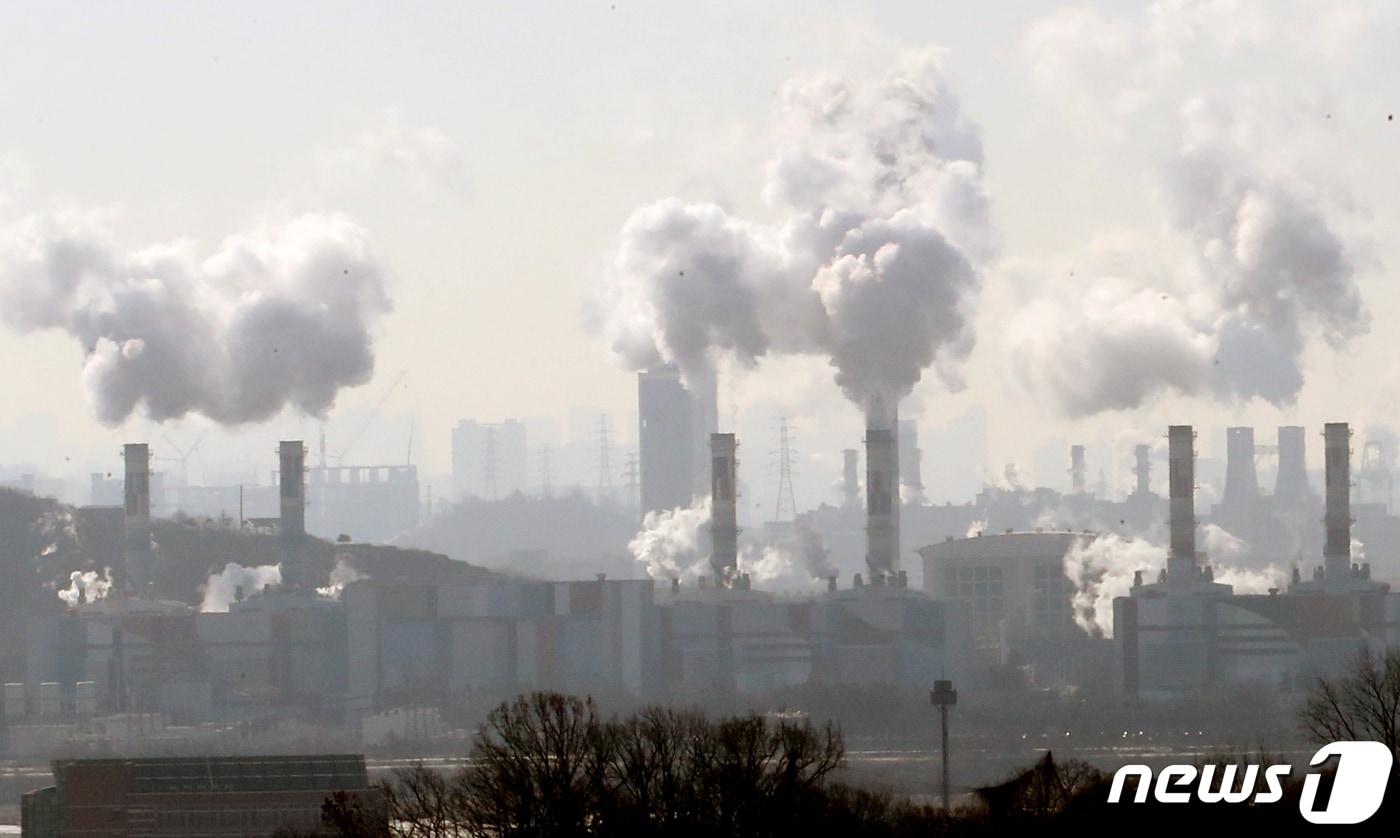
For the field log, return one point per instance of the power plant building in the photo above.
(1186, 631)
(1019, 601)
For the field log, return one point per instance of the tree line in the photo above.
(548, 764)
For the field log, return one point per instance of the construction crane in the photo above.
(369, 420)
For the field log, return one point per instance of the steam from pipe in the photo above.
(669, 541)
(341, 575)
(873, 268)
(277, 316)
(86, 586)
(221, 589)
(1101, 568)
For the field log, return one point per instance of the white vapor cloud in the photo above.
(873, 265)
(669, 541)
(280, 315)
(425, 156)
(221, 589)
(1251, 267)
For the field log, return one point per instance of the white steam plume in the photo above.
(1252, 269)
(277, 316)
(221, 589)
(770, 565)
(341, 575)
(86, 586)
(669, 541)
(1102, 568)
(873, 268)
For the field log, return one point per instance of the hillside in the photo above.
(43, 541)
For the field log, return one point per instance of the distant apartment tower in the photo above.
(674, 427)
(489, 459)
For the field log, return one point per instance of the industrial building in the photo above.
(411, 642)
(1184, 630)
(244, 796)
(993, 605)
(1019, 600)
(273, 651)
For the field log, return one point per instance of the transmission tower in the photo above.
(631, 480)
(604, 459)
(488, 464)
(786, 507)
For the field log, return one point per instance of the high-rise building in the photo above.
(489, 459)
(674, 427)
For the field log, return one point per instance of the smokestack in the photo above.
(909, 464)
(1076, 468)
(724, 527)
(1336, 550)
(1292, 484)
(136, 519)
(1143, 468)
(1181, 564)
(881, 493)
(292, 525)
(850, 478)
(1241, 480)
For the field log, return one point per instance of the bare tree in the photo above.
(539, 767)
(1364, 703)
(545, 765)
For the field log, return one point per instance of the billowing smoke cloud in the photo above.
(221, 589)
(86, 586)
(277, 316)
(1253, 268)
(669, 541)
(1102, 568)
(874, 267)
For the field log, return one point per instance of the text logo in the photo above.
(1363, 770)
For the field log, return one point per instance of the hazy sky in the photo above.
(491, 153)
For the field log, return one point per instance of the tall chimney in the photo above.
(292, 525)
(881, 493)
(1336, 549)
(136, 518)
(909, 464)
(1292, 484)
(1076, 468)
(850, 478)
(1142, 469)
(1181, 564)
(1241, 479)
(724, 520)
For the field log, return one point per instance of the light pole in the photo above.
(943, 696)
